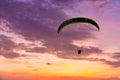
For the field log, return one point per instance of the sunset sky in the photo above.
(31, 49)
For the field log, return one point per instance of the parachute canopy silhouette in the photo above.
(77, 20)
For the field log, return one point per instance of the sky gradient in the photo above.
(31, 49)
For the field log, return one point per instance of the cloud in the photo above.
(6, 43)
(114, 64)
(62, 3)
(11, 55)
(111, 78)
(37, 50)
(35, 21)
(91, 49)
(71, 52)
(39, 21)
(116, 55)
(6, 48)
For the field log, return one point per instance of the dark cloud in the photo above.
(37, 50)
(6, 43)
(114, 64)
(103, 4)
(62, 3)
(6, 48)
(91, 49)
(31, 20)
(11, 55)
(40, 19)
(71, 53)
(116, 55)
(36, 21)
(72, 3)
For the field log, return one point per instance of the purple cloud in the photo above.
(6, 43)
(11, 55)
(114, 64)
(6, 48)
(37, 50)
(39, 20)
(116, 55)
(71, 53)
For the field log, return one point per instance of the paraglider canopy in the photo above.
(77, 20)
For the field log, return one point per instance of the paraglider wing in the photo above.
(77, 20)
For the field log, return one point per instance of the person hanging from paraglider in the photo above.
(79, 51)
